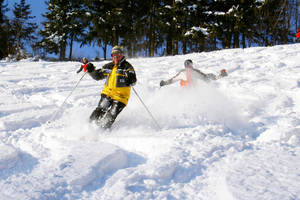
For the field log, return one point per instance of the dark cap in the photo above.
(188, 63)
(117, 49)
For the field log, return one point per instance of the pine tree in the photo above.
(168, 24)
(152, 28)
(4, 35)
(146, 36)
(178, 26)
(102, 30)
(77, 24)
(232, 22)
(132, 25)
(271, 27)
(54, 37)
(23, 30)
(197, 31)
(64, 25)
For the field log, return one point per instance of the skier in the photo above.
(85, 64)
(298, 35)
(189, 75)
(120, 76)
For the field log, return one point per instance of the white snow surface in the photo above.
(234, 138)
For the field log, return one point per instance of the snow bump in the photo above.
(9, 156)
(91, 164)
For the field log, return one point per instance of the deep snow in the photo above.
(235, 138)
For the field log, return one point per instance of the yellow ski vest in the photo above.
(114, 88)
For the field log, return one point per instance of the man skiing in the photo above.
(120, 76)
(298, 35)
(189, 75)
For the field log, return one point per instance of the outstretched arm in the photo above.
(80, 69)
(203, 76)
(210, 76)
(179, 76)
(95, 74)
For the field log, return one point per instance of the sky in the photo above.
(38, 7)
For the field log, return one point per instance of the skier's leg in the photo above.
(104, 103)
(112, 114)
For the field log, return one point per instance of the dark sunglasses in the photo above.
(116, 55)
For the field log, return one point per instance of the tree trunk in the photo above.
(243, 40)
(169, 44)
(71, 48)
(115, 36)
(202, 44)
(151, 41)
(184, 46)
(104, 51)
(151, 35)
(62, 53)
(236, 39)
(176, 47)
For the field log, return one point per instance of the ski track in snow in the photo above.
(236, 138)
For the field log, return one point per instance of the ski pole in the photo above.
(146, 109)
(54, 115)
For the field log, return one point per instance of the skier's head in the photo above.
(188, 63)
(117, 54)
(84, 60)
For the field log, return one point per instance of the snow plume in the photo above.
(184, 107)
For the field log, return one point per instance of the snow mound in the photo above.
(92, 163)
(9, 156)
(258, 172)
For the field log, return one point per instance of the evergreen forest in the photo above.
(146, 27)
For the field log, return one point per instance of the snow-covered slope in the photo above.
(235, 138)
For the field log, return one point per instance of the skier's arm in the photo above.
(95, 74)
(211, 76)
(80, 69)
(203, 76)
(130, 76)
(177, 77)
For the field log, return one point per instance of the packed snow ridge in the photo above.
(234, 138)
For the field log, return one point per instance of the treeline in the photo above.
(148, 27)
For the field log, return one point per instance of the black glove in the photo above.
(78, 71)
(90, 67)
(162, 83)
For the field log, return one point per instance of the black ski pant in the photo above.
(107, 111)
